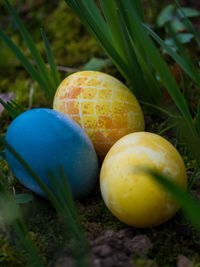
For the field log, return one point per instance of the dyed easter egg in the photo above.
(103, 106)
(46, 138)
(132, 195)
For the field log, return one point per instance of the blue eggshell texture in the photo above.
(46, 138)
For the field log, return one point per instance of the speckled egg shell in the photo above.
(103, 106)
(46, 138)
(132, 195)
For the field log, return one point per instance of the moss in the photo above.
(95, 211)
(71, 43)
(8, 254)
(4, 167)
(45, 227)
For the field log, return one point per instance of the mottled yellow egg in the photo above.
(102, 105)
(131, 194)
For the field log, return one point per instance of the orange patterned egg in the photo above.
(102, 105)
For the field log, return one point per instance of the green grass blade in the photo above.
(82, 11)
(187, 22)
(25, 62)
(96, 14)
(142, 92)
(189, 205)
(111, 16)
(11, 214)
(59, 204)
(17, 106)
(184, 55)
(45, 189)
(149, 91)
(169, 114)
(137, 5)
(12, 112)
(52, 64)
(137, 30)
(69, 197)
(185, 63)
(79, 246)
(34, 51)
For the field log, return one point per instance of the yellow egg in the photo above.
(133, 196)
(102, 105)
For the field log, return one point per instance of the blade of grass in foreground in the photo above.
(110, 14)
(187, 22)
(78, 245)
(189, 205)
(11, 215)
(52, 64)
(138, 32)
(185, 63)
(87, 12)
(33, 49)
(12, 110)
(151, 92)
(61, 203)
(24, 61)
(96, 26)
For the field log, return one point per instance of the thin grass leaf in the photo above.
(33, 49)
(96, 14)
(11, 214)
(186, 64)
(12, 110)
(94, 26)
(23, 198)
(189, 205)
(111, 16)
(84, 11)
(96, 64)
(60, 205)
(79, 246)
(24, 61)
(184, 55)
(64, 210)
(187, 22)
(168, 113)
(69, 198)
(137, 5)
(52, 64)
(148, 90)
(45, 189)
(137, 30)
(17, 106)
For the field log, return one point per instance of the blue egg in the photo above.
(46, 138)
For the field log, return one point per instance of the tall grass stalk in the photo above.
(48, 82)
(189, 205)
(62, 200)
(11, 215)
(143, 54)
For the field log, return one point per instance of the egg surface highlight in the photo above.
(46, 138)
(131, 194)
(102, 105)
